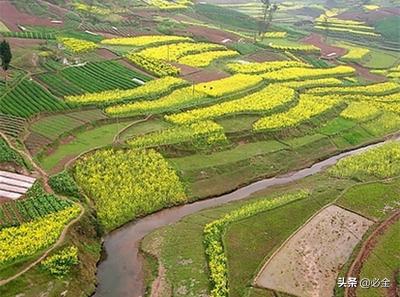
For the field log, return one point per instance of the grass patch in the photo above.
(144, 128)
(237, 123)
(336, 126)
(239, 153)
(372, 200)
(83, 141)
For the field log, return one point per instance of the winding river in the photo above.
(120, 274)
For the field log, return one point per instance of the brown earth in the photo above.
(105, 53)
(13, 17)
(24, 42)
(308, 263)
(367, 249)
(264, 56)
(365, 73)
(185, 69)
(34, 142)
(205, 75)
(326, 49)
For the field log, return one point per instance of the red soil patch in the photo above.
(13, 17)
(185, 69)
(24, 42)
(205, 75)
(60, 165)
(4, 200)
(365, 73)
(55, 9)
(105, 53)
(264, 56)
(326, 49)
(35, 142)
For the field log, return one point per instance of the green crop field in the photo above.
(219, 148)
(93, 77)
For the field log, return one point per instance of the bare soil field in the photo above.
(326, 49)
(13, 17)
(35, 142)
(365, 73)
(308, 263)
(24, 42)
(205, 75)
(263, 56)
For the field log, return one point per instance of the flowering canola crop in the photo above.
(149, 90)
(146, 40)
(267, 99)
(380, 162)
(198, 134)
(77, 45)
(32, 237)
(127, 184)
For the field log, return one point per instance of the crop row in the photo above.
(29, 34)
(312, 83)
(77, 45)
(206, 58)
(27, 99)
(360, 111)
(91, 77)
(26, 210)
(370, 90)
(200, 134)
(29, 238)
(308, 107)
(8, 155)
(298, 73)
(255, 68)
(11, 125)
(170, 5)
(149, 90)
(154, 66)
(300, 48)
(188, 96)
(214, 241)
(147, 40)
(127, 184)
(377, 163)
(267, 99)
(173, 52)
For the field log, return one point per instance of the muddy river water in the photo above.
(120, 274)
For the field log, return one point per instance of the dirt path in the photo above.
(367, 248)
(48, 189)
(365, 73)
(326, 49)
(47, 252)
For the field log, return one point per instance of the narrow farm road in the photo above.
(48, 189)
(46, 253)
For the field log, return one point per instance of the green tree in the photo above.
(5, 56)
(269, 10)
